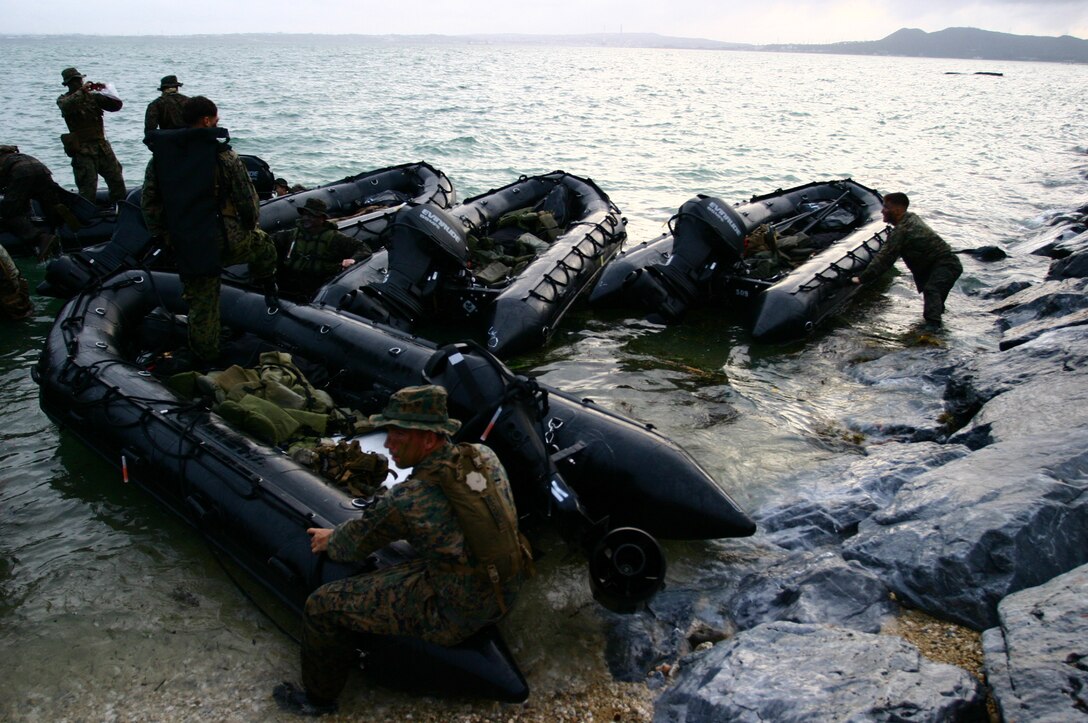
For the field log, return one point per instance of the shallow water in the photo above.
(112, 609)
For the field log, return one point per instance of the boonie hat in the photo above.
(169, 81)
(314, 207)
(4, 150)
(422, 407)
(70, 74)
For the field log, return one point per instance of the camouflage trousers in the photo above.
(398, 600)
(96, 159)
(202, 292)
(935, 290)
(14, 292)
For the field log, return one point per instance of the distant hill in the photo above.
(958, 43)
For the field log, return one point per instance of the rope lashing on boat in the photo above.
(840, 271)
(557, 286)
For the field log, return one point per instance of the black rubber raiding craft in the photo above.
(606, 482)
(707, 258)
(428, 275)
(361, 206)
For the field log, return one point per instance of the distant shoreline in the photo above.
(952, 43)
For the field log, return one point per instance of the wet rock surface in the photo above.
(977, 490)
(1037, 658)
(772, 673)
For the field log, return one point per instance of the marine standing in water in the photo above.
(198, 200)
(85, 142)
(930, 259)
(164, 113)
(457, 512)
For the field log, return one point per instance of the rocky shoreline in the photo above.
(977, 517)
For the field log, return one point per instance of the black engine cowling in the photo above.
(708, 235)
(425, 242)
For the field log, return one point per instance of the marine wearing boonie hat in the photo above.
(69, 74)
(314, 207)
(422, 407)
(169, 81)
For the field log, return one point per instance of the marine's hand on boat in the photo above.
(319, 539)
(855, 280)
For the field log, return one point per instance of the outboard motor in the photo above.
(260, 175)
(425, 243)
(708, 235)
(626, 565)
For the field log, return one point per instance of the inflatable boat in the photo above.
(783, 259)
(98, 219)
(607, 483)
(502, 267)
(361, 206)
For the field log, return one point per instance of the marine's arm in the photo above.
(349, 249)
(884, 258)
(355, 539)
(242, 192)
(151, 117)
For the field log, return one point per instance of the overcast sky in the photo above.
(768, 21)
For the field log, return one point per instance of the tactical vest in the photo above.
(310, 254)
(488, 518)
(84, 119)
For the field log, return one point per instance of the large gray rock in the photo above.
(960, 538)
(1056, 241)
(768, 584)
(1072, 266)
(910, 405)
(830, 501)
(1037, 661)
(789, 672)
(811, 587)
(1055, 405)
(1051, 356)
(1051, 298)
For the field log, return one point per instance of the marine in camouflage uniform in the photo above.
(314, 250)
(165, 111)
(24, 179)
(237, 240)
(14, 292)
(930, 259)
(446, 594)
(85, 143)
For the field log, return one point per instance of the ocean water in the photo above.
(112, 610)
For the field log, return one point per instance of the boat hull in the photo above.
(523, 314)
(782, 308)
(254, 503)
(129, 242)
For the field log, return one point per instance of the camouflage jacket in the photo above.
(18, 166)
(239, 207)
(83, 112)
(919, 246)
(164, 112)
(417, 510)
(320, 253)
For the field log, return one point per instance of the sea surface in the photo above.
(110, 609)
